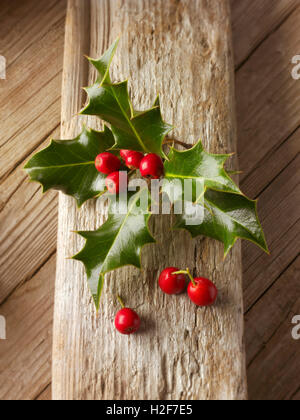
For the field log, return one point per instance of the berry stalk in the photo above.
(188, 273)
(121, 302)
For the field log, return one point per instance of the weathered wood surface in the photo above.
(27, 120)
(32, 41)
(34, 26)
(253, 22)
(184, 52)
(26, 354)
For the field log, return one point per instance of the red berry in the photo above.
(170, 283)
(203, 293)
(107, 163)
(133, 160)
(127, 321)
(113, 182)
(152, 166)
(124, 153)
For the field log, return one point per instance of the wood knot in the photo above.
(205, 47)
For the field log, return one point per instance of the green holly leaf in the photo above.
(135, 130)
(119, 241)
(225, 217)
(203, 170)
(69, 165)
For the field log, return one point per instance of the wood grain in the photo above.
(261, 326)
(33, 78)
(275, 367)
(272, 166)
(31, 35)
(284, 242)
(26, 218)
(46, 395)
(24, 357)
(267, 105)
(182, 352)
(254, 21)
(32, 41)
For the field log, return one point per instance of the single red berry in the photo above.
(203, 292)
(127, 321)
(124, 153)
(113, 182)
(107, 163)
(133, 160)
(170, 283)
(152, 166)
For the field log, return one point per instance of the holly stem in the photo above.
(131, 173)
(188, 273)
(181, 143)
(234, 172)
(121, 302)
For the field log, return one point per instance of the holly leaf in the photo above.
(119, 241)
(135, 130)
(203, 170)
(225, 217)
(69, 165)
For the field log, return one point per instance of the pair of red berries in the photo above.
(172, 281)
(201, 291)
(150, 166)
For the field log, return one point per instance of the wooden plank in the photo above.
(275, 202)
(280, 217)
(202, 356)
(296, 395)
(275, 370)
(25, 357)
(46, 395)
(273, 309)
(254, 20)
(270, 172)
(29, 118)
(25, 23)
(28, 229)
(29, 30)
(271, 167)
(278, 367)
(266, 91)
(33, 87)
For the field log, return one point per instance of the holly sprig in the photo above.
(69, 166)
(134, 130)
(118, 242)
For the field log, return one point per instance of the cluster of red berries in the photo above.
(172, 281)
(150, 166)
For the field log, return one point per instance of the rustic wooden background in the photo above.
(266, 37)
